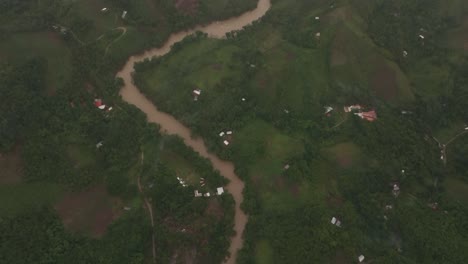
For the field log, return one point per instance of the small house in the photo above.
(317, 18)
(369, 116)
(124, 14)
(286, 167)
(317, 35)
(198, 194)
(196, 94)
(243, 99)
(405, 53)
(328, 109)
(207, 194)
(226, 142)
(335, 221)
(361, 258)
(421, 37)
(221, 134)
(229, 133)
(104, 9)
(97, 102)
(220, 190)
(350, 108)
(100, 144)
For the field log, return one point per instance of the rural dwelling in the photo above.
(196, 94)
(226, 142)
(369, 116)
(207, 194)
(243, 99)
(286, 167)
(350, 108)
(100, 144)
(328, 109)
(361, 258)
(124, 14)
(197, 194)
(229, 133)
(335, 221)
(104, 9)
(221, 134)
(220, 190)
(98, 103)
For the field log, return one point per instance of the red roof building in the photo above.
(97, 102)
(369, 116)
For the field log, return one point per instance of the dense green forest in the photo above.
(69, 171)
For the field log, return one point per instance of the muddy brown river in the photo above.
(170, 125)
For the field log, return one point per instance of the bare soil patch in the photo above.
(187, 6)
(384, 81)
(11, 166)
(214, 209)
(90, 211)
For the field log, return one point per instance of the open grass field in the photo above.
(183, 167)
(356, 63)
(49, 45)
(23, 197)
(11, 166)
(89, 211)
(264, 253)
(201, 64)
(457, 189)
(345, 154)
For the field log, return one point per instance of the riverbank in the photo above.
(170, 125)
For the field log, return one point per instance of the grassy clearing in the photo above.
(457, 190)
(18, 198)
(183, 167)
(81, 155)
(345, 154)
(356, 63)
(264, 253)
(201, 64)
(11, 167)
(290, 77)
(271, 151)
(103, 21)
(22, 46)
(429, 80)
(89, 211)
(447, 133)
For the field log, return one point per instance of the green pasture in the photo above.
(200, 64)
(457, 189)
(18, 198)
(359, 68)
(183, 167)
(49, 45)
(264, 253)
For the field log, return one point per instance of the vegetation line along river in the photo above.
(170, 125)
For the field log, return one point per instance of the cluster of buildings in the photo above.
(226, 136)
(359, 111)
(100, 105)
(219, 191)
(124, 13)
